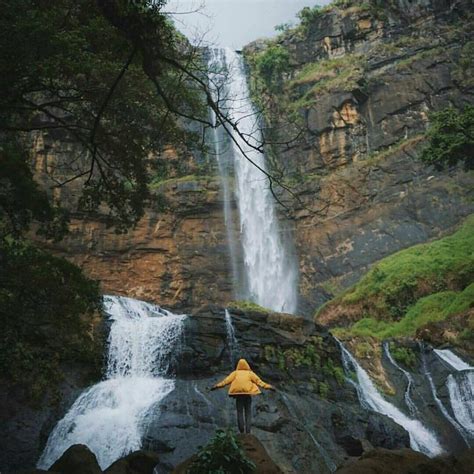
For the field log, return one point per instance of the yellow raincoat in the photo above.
(243, 381)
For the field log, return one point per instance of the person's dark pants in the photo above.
(244, 412)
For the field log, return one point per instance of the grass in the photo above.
(425, 268)
(432, 308)
(344, 73)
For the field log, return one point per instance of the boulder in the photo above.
(78, 459)
(139, 462)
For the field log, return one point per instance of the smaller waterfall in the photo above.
(232, 342)
(421, 438)
(408, 400)
(110, 417)
(461, 389)
(452, 359)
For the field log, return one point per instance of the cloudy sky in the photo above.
(234, 23)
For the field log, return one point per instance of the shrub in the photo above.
(223, 454)
(271, 64)
(451, 138)
(404, 356)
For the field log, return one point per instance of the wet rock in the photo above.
(139, 462)
(78, 459)
(407, 461)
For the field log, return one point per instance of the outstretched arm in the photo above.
(257, 380)
(229, 379)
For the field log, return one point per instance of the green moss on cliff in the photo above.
(415, 287)
(247, 306)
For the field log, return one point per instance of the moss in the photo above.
(381, 155)
(338, 74)
(398, 281)
(323, 390)
(247, 306)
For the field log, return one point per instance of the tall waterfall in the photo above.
(110, 416)
(460, 385)
(271, 273)
(421, 438)
(217, 75)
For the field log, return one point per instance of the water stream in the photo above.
(460, 385)
(110, 417)
(232, 342)
(408, 400)
(421, 438)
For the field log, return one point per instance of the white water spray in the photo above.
(421, 438)
(217, 76)
(111, 416)
(408, 400)
(461, 389)
(271, 272)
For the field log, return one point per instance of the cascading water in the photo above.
(110, 417)
(421, 438)
(408, 400)
(217, 75)
(271, 273)
(231, 339)
(461, 389)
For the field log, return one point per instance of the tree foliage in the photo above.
(70, 74)
(46, 310)
(451, 138)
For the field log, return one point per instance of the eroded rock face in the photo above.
(311, 423)
(364, 192)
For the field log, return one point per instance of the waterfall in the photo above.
(231, 339)
(461, 389)
(408, 400)
(452, 359)
(217, 77)
(110, 417)
(270, 271)
(421, 438)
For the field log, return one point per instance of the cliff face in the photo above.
(177, 254)
(362, 82)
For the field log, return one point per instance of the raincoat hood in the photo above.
(243, 365)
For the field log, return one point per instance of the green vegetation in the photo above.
(247, 306)
(47, 308)
(223, 454)
(270, 64)
(451, 138)
(398, 281)
(433, 308)
(403, 355)
(89, 73)
(464, 70)
(339, 74)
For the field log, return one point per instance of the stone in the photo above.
(138, 462)
(78, 459)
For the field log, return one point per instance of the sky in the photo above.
(234, 23)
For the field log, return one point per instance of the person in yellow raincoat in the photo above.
(243, 385)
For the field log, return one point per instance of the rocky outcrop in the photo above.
(254, 450)
(78, 459)
(383, 461)
(363, 82)
(311, 423)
